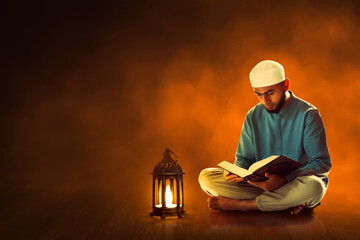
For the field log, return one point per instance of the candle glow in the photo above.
(168, 198)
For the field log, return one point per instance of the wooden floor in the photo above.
(89, 215)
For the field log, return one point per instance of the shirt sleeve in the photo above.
(315, 146)
(244, 155)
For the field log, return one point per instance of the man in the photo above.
(280, 124)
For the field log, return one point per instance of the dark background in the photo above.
(93, 92)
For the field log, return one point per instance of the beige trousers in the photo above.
(305, 190)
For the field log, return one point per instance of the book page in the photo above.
(261, 163)
(241, 172)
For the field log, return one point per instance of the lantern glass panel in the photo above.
(174, 192)
(180, 194)
(157, 192)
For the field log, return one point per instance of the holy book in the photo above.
(280, 165)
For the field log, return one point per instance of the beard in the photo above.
(279, 106)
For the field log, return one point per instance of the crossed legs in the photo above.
(305, 191)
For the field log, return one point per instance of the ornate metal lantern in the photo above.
(168, 189)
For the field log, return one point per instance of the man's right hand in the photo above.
(232, 177)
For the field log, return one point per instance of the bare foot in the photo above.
(228, 204)
(296, 210)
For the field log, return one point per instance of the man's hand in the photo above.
(274, 182)
(232, 177)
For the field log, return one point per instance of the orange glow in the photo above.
(184, 86)
(168, 198)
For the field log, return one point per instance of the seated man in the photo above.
(281, 124)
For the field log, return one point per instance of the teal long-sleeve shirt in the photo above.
(297, 132)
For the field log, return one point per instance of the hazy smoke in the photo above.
(99, 98)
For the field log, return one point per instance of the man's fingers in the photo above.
(235, 179)
(231, 176)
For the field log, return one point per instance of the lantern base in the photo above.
(168, 212)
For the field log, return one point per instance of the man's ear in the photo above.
(286, 84)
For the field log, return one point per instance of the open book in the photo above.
(280, 165)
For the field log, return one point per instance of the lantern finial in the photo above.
(168, 164)
(167, 155)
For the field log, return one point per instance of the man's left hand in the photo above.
(273, 182)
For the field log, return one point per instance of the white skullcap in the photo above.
(267, 73)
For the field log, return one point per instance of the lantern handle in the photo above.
(167, 154)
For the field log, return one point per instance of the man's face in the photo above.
(272, 97)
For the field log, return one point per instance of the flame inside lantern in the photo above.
(168, 198)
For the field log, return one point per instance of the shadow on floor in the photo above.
(264, 219)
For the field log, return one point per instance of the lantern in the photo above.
(168, 189)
